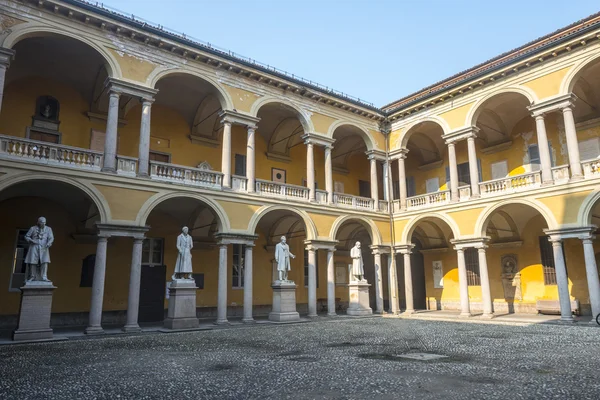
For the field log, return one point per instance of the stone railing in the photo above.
(185, 175)
(383, 205)
(349, 201)
(239, 183)
(591, 168)
(281, 190)
(464, 192)
(49, 153)
(428, 199)
(560, 174)
(127, 166)
(511, 184)
(321, 196)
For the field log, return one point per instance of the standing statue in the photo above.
(282, 257)
(183, 266)
(40, 239)
(358, 271)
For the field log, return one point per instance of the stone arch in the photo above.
(485, 216)
(91, 192)
(413, 223)
(476, 109)
(369, 141)
(154, 201)
(568, 83)
(302, 115)
(366, 222)
(163, 72)
(584, 217)
(311, 229)
(29, 30)
(403, 139)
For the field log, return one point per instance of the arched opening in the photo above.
(72, 215)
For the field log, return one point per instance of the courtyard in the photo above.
(338, 358)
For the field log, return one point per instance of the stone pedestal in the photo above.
(182, 305)
(35, 310)
(359, 299)
(284, 302)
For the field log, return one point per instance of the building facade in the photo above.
(120, 133)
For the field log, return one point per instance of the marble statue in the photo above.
(40, 239)
(282, 257)
(358, 271)
(183, 266)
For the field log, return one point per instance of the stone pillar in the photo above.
(572, 143)
(95, 323)
(2, 77)
(465, 310)
(562, 281)
(310, 170)
(374, 183)
(248, 285)
(312, 283)
(385, 180)
(133, 302)
(250, 160)
(226, 155)
(394, 305)
(330, 284)
(543, 149)
(591, 271)
(378, 281)
(473, 170)
(402, 180)
(222, 286)
(329, 174)
(110, 138)
(144, 147)
(453, 168)
(408, 284)
(486, 292)
(6, 56)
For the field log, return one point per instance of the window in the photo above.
(589, 149)
(237, 275)
(464, 176)
(152, 252)
(534, 156)
(472, 263)
(17, 274)
(306, 268)
(499, 169)
(432, 185)
(160, 157)
(411, 188)
(547, 256)
(396, 189)
(364, 189)
(87, 271)
(240, 165)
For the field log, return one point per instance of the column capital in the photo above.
(380, 249)
(224, 239)
(376, 155)
(580, 232)
(404, 248)
(398, 154)
(132, 231)
(235, 117)
(557, 103)
(124, 88)
(475, 242)
(6, 56)
(316, 244)
(461, 134)
(318, 139)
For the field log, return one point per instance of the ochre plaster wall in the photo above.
(548, 85)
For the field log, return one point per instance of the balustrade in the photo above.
(436, 198)
(185, 175)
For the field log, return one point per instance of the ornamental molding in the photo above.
(320, 244)
(235, 238)
(318, 139)
(404, 248)
(237, 118)
(398, 153)
(130, 89)
(476, 242)
(461, 134)
(116, 230)
(557, 103)
(583, 232)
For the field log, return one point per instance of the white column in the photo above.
(374, 183)
(592, 276)
(543, 149)
(572, 143)
(6, 56)
(133, 302)
(465, 310)
(562, 281)
(330, 283)
(2, 78)
(328, 174)
(144, 147)
(453, 172)
(95, 322)
(250, 160)
(486, 292)
(402, 181)
(222, 286)
(394, 306)
(385, 180)
(226, 155)
(378, 282)
(408, 284)
(310, 170)
(312, 283)
(248, 285)
(110, 138)
(473, 170)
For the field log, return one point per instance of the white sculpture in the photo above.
(183, 266)
(358, 271)
(282, 257)
(40, 239)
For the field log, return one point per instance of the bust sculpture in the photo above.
(40, 239)
(358, 271)
(282, 257)
(183, 266)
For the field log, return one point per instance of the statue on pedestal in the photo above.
(358, 271)
(282, 257)
(183, 266)
(40, 239)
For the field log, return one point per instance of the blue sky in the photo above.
(378, 50)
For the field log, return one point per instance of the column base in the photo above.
(333, 314)
(248, 321)
(109, 170)
(131, 328)
(312, 316)
(593, 322)
(475, 196)
(221, 322)
(94, 330)
(408, 312)
(143, 175)
(575, 178)
(488, 316)
(465, 315)
(567, 320)
(547, 183)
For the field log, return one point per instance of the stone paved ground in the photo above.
(341, 359)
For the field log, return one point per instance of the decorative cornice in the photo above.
(404, 248)
(318, 139)
(571, 233)
(115, 230)
(376, 155)
(477, 242)
(235, 238)
(461, 134)
(398, 153)
(316, 244)
(130, 89)
(380, 249)
(554, 104)
(237, 118)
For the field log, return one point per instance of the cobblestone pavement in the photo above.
(332, 359)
